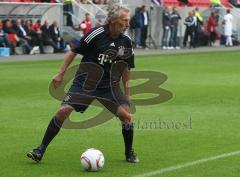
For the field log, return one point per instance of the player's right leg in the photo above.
(51, 131)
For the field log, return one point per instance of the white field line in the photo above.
(188, 164)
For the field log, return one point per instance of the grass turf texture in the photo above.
(205, 87)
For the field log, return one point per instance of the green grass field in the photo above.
(206, 92)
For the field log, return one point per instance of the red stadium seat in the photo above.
(172, 3)
(199, 3)
(13, 0)
(28, 1)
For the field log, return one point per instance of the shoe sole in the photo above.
(130, 161)
(31, 156)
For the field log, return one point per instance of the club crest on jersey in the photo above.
(121, 51)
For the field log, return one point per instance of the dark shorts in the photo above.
(80, 98)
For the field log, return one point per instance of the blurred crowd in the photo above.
(31, 36)
(198, 31)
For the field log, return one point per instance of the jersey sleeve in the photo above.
(82, 48)
(87, 41)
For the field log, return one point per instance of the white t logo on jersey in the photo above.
(102, 58)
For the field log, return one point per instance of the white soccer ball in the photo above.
(92, 159)
(83, 26)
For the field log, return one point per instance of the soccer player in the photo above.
(107, 58)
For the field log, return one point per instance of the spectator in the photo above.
(4, 40)
(215, 3)
(204, 36)
(37, 26)
(174, 19)
(25, 39)
(190, 26)
(88, 24)
(8, 28)
(166, 23)
(198, 25)
(228, 23)
(136, 27)
(211, 28)
(144, 26)
(56, 37)
(28, 29)
(47, 40)
(67, 12)
(36, 39)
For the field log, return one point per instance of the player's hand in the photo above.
(57, 80)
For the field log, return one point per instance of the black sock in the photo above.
(52, 130)
(127, 132)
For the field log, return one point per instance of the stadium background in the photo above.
(54, 11)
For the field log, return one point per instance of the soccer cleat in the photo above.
(35, 154)
(132, 157)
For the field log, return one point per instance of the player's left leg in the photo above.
(115, 101)
(125, 116)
